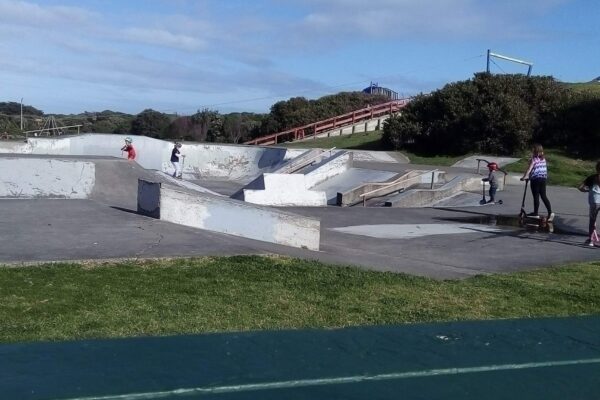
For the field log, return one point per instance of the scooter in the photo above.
(530, 221)
(523, 213)
(594, 239)
(483, 201)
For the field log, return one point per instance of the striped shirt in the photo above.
(539, 170)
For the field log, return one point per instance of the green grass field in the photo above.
(590, 87)
(367, 141)
(356, 141)
(71, 301)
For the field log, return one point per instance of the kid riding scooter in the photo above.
(533, 221)
(492, 166)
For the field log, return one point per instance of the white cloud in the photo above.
(345, 20)
(161, 37)
(25, 13)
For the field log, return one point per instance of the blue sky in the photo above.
(179, 56)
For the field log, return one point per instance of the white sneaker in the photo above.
(550, 217)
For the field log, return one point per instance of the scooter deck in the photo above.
(497, 203)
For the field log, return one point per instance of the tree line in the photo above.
(497, 114)
(204, 125)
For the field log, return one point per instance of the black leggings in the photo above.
(594, 209)
(538, 189)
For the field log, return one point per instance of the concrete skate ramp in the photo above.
(471, 162)
(295, 189)
(208, 160)
(46, 178)
(108, 180)
(224, 215)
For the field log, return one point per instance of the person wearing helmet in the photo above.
(491, 178)
(129, 149)
(175, 154)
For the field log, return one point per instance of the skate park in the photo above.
(374, 209)
(327, 231)
(81, 202)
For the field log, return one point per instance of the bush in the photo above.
(497, 114)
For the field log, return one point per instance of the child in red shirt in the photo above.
(129, 149)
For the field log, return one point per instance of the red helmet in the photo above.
(493, 166)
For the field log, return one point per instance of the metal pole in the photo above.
(488, 62)
(509, 58)
(21, 114)
(432, 178)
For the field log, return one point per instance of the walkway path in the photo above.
(511, 359)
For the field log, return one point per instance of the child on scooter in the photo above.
(493, 181)
(129, 149)
(591, 184)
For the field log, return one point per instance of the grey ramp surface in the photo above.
(55, 230)
(471, 162)
(439, 256)
(507, 359)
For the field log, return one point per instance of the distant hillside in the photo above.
(106, 121)
(14, 108)
(590, 87)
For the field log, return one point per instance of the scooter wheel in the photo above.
(500, 202)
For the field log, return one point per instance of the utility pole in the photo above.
(21, 114)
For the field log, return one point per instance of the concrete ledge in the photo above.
(224, 215)
(28, 178)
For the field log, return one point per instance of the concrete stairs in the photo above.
(292, 184)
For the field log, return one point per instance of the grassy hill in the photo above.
(590, 87)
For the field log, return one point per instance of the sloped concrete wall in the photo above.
(333, 166)
(46, 178)
(224, 215)
(285, 190)
(216, 161)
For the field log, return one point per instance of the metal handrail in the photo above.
(399, 180)
(379, 109)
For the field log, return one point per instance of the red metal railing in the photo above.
(339, 121)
